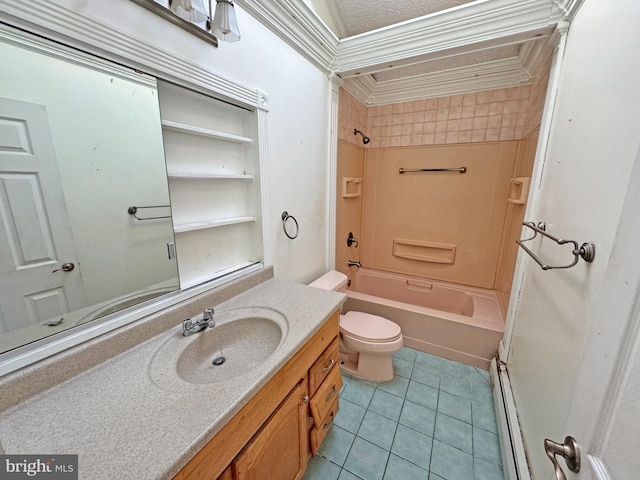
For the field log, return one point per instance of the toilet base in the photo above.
(374, 367)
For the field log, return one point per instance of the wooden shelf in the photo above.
(214, 176)
(190, 227)
(204, 132)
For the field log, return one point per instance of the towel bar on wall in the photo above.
(420, 170)
(587, 251)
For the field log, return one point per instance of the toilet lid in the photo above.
(372, 328)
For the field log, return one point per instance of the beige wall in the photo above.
(493, 132)
(442, 225)
(348, 203)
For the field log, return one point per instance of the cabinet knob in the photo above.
(305, 399)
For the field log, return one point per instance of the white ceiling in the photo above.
(388, 51)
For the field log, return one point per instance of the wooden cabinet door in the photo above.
(280, 450)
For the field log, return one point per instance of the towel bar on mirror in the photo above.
(587, 251)
(133, 210)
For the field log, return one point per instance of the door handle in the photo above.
(569, 450)
(66, 267)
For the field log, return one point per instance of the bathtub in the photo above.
(452, 321)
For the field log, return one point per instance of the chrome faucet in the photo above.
(351, 263)
(190, 326)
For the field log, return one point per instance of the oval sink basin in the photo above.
(241, 340)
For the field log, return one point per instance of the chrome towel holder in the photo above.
(587, 251)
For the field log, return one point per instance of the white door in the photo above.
(35, 233)
(572, 357)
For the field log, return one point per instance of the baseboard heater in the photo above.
(514, 460)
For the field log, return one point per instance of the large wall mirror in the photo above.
(80, 143)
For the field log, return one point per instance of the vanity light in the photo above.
(192, 11)
(225, 25)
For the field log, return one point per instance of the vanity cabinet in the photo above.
(275, 433)
(280, 449)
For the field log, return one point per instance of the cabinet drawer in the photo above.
(318, 433)
(321, 368)
(323, 399)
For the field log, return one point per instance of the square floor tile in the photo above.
(483, 470)
(426, 374)
(386, 404)
(336, 444)
(405, 353)
(402, 367)
(456, 369)
(349, 416)
(423, 395)
(450, 463)
(346, 475)
(455, 385)
(481, 390)
(397, 386)
(484, 417)
(486, 446)
(454, 432)
(412, 446)
(358, 393)
(418, 417)
(320, 468)
(378, 430)
(454, 406)
(366, 460)
(400, 469)
(423, 358)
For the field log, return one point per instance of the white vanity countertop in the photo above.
(123, 425)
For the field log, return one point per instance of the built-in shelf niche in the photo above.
(213, 170)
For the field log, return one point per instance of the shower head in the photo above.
(365, 139)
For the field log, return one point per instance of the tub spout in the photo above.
(351, 263)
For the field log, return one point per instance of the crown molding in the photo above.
(486, 76)
(484, 23)
(361, 87)
(533, 55)
(295, 23)
(66, 26)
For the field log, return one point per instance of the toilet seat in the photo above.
(369, 328)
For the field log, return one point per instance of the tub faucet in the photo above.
(190, 326)
(351, 263)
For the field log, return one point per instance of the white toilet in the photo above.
(367, 341)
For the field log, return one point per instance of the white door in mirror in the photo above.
(34, 227)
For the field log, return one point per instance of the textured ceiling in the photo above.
(448, 63)
(352, 17)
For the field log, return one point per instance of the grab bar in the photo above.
(134, 210)
(587, 251)
(419, 170)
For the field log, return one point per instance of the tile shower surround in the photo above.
(492, 115)
(434, 421)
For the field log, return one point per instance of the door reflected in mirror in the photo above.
(80, 144)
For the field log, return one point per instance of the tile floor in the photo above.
(434, 421)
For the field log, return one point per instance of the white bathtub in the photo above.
(452, 321)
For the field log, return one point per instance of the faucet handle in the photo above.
(207, 314)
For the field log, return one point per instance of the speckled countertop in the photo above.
(124, 424)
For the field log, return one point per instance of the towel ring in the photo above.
(285, 218)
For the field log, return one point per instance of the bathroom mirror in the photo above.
(80, 144)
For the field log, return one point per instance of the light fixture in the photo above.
(193, 11)
(225, 25)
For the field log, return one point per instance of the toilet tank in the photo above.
(332, 280)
